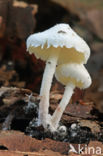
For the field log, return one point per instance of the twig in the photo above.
(7, 123)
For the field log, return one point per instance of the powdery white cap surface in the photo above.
(62, 39)
(73, 73)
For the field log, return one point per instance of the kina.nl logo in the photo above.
(84, 149)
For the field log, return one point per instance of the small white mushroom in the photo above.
(71, 75)
(57, 45)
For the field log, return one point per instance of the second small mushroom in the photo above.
(71, 75)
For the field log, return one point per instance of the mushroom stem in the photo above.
(45, 89)
(64, 102)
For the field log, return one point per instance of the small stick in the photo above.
(7, 123)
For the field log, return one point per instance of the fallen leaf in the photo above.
(14, 140)
(93, 125)
(18, 153)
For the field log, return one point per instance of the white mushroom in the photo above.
(71, 75)
(57, 45)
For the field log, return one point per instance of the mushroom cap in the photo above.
(73, 73)
(59, 39)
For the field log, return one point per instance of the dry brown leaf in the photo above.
(18, 153)
(13, 94)
(7, 76)
(10, 98)
(78, 110)
(14, 140)
(55, 95)
(93, 125)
